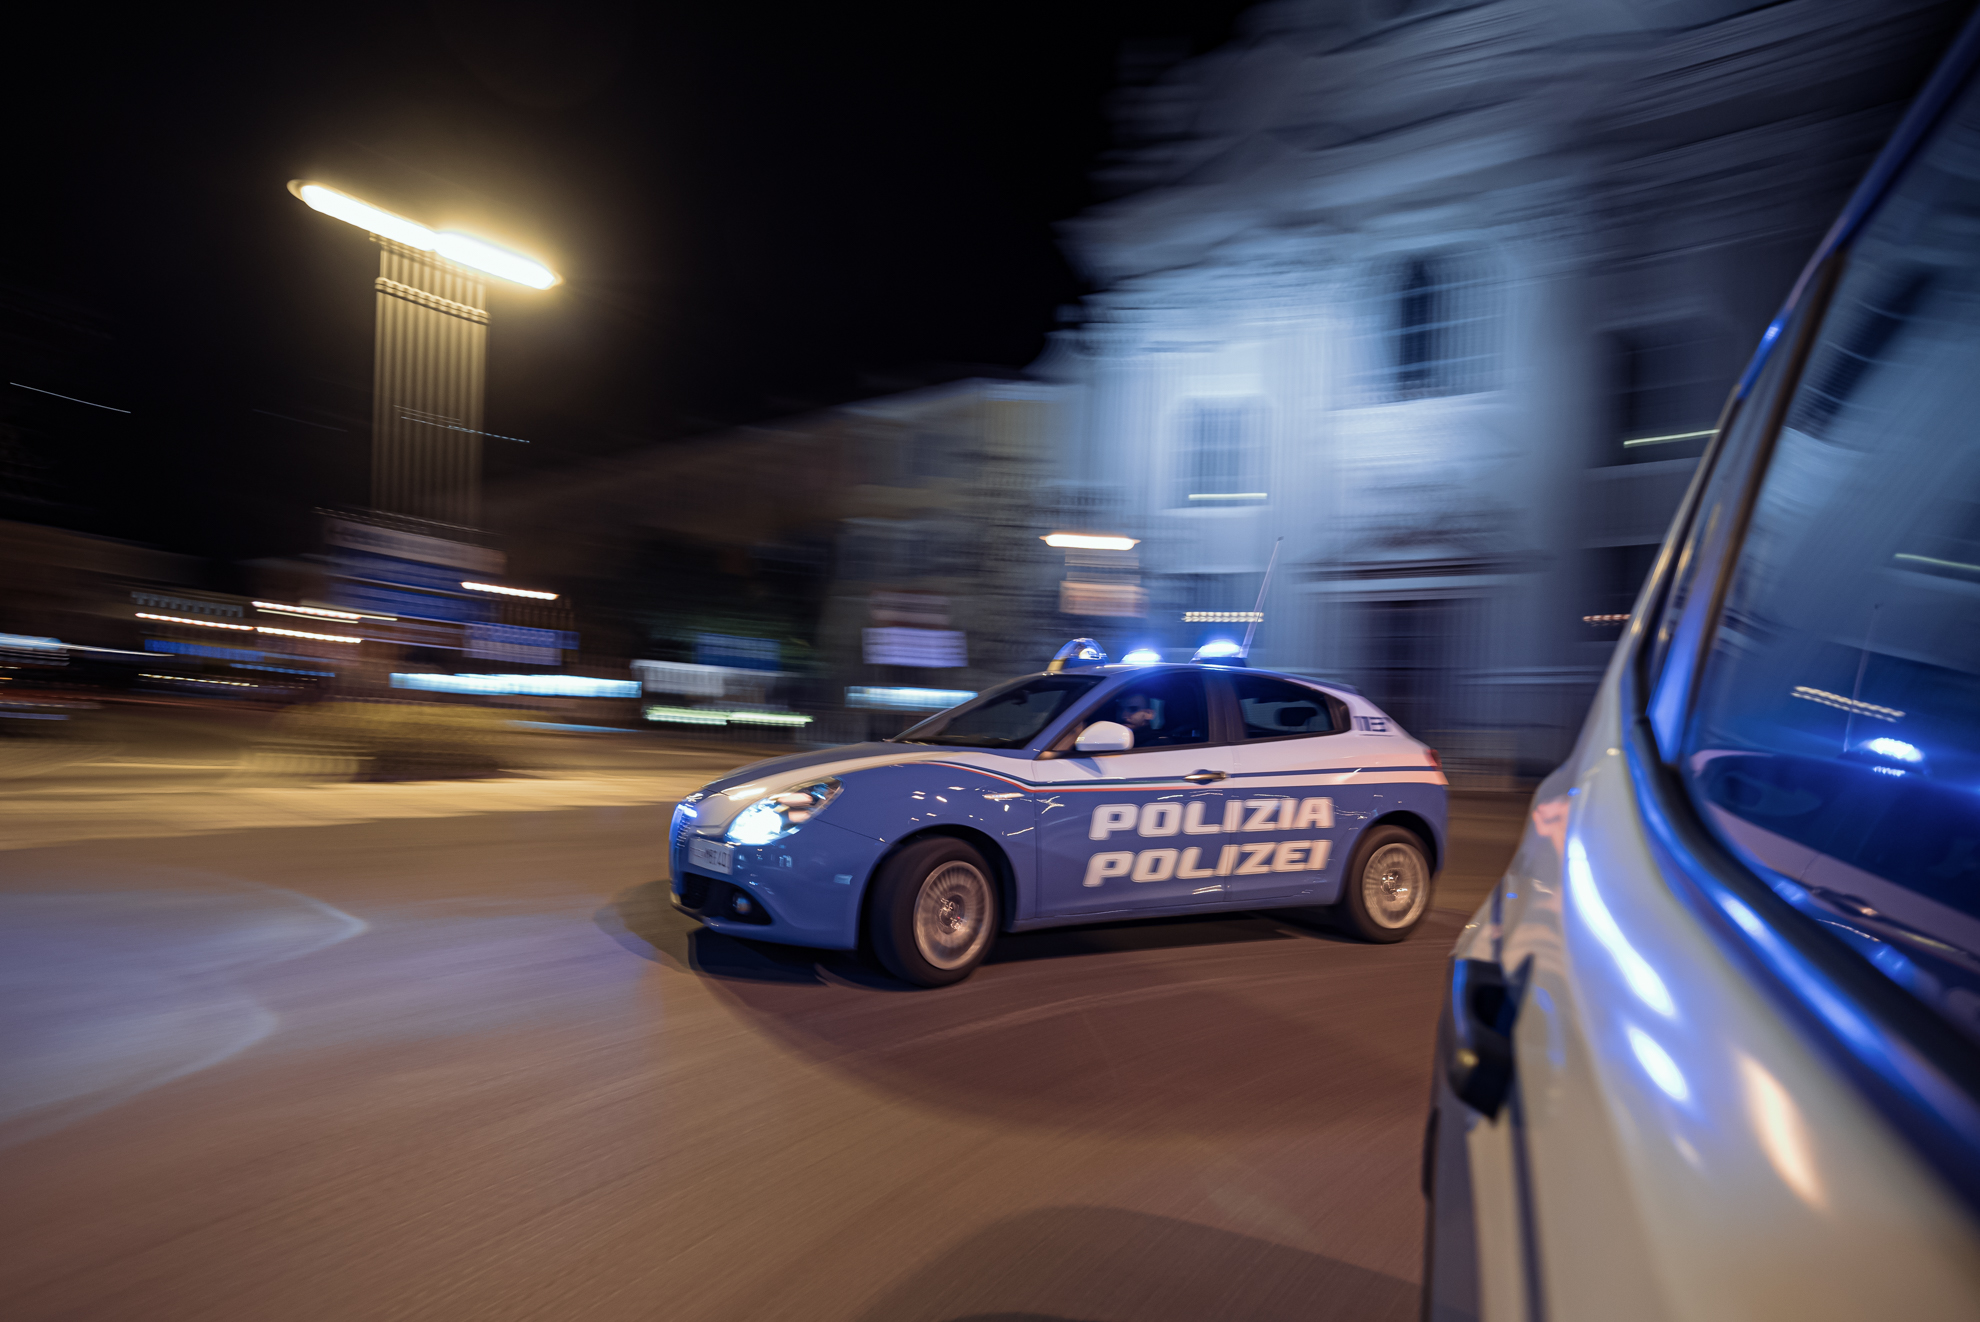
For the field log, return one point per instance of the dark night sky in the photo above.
(755, 209)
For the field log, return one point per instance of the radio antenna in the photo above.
(1258, 613)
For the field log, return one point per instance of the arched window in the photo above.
(1435, 329)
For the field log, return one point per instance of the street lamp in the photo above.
(429, 361)
(461, 249)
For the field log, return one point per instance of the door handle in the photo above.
(1205, 777)
(1478, 1058)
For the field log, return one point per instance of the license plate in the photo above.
(710, 854)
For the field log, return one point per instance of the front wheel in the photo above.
(1385, 890)
(933, 912)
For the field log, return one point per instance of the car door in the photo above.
(1138, 829)
(1715, 1029)
(1289, 757)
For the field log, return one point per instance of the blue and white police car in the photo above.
(1089, 792)
(1712, 1047)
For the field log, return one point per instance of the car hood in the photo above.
(760, 778)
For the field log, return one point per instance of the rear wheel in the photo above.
(933, 912)
(1385, 890)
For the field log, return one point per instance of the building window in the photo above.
(1671, 379)
(1222, 454)
(1435, 329)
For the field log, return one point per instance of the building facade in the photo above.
(1443, 300)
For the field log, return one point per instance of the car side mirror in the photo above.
(1104, 737)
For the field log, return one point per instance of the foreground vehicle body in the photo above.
(1712, 1048)
(1093, 793)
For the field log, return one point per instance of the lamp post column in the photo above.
(429, 373)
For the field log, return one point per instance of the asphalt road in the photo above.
(474, 1066)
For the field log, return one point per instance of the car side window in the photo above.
(1273, 708)
(1169, 710)
(1836, 734)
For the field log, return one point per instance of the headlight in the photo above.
(777, 815)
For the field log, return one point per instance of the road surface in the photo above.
(455, 1057)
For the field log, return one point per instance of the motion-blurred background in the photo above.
(860, 304)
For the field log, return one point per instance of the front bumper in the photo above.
(802, 890)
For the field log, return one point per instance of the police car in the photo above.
(1088, 792)
(1712, 1048)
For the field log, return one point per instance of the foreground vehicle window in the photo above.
(1008, 716)
(1836, 739)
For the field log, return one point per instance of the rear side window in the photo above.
(1836, 737)
(1274, 708)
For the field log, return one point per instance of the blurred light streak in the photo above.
(322, 426)
(1223, 617)
(251, 628)
(1853, 705)
(205, 624)
(1636, 970)
(717, 716)
(906, 699)
(1082, 542)
(510, 592)
(321, 611)
(190, 679)
(1943, 564)
(1228, 495)
(176, 647)
(71, 398)
(1675, 436)
(456, 247)
(450, 426)
(547, 686)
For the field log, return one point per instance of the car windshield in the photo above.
(1008, 716)
(1837, 735)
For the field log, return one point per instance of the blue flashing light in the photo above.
(1895, 749)
(1142, 656)
(1218, 649)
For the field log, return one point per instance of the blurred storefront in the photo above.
(850, 565)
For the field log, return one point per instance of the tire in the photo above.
(934, 913)
(1385, 890)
